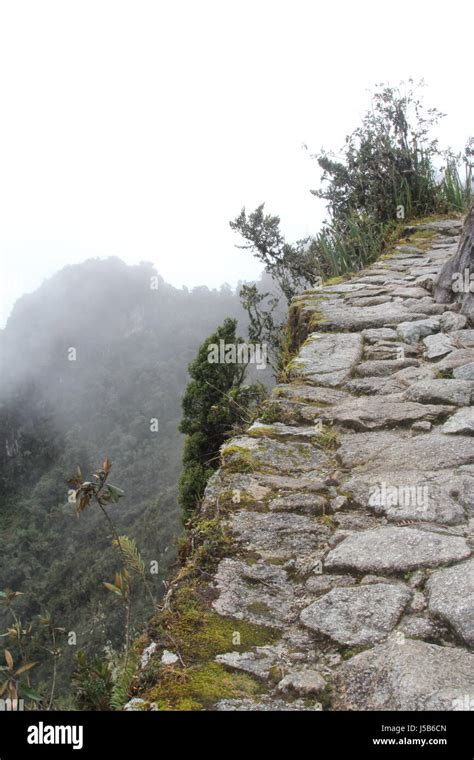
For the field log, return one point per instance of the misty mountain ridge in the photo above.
(87, 362)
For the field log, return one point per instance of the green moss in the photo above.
(201, 687)
(302, 449)
(226, 500)
(351, 652)
(238, 459)
(348, 494)
(274, 412)
(422, 235)
(293, 365)
(276, 673)
(261, 431)
(327, 439)
(317, 319)
(197, 634)
(201, 633)
(334, 280)
(211, 544)
(327, 520)
(444, 374)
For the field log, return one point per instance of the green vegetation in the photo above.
(327, 438)
(197, 635)
(96, 360)
(215, 403)
(387, 172)
(238, 459)
(134, 344)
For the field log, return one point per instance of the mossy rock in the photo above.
(201, 687)
(238, 459)
(328, 439)
(192, 629)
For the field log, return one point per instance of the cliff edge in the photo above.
(329, 565)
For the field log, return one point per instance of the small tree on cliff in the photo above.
(384, 172)
(386, 162)
(215, 402)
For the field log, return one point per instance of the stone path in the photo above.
(352, 509)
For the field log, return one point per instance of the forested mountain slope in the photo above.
(87, 362)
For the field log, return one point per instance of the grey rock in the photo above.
(462, 262)
(375, 385)
(421, 427)
(465, 372)
(266, 704)
(419, 627)
(369, 301)
(370, 413)
(147, 654)
(136, 704)
(411, 374)
(449, 227)
(451, 597)
(450, 321)
(408, 495)
(413, 331)
(428, 309)
(384, 367)
(418, 602)
(267, 455)
(391, 350)
(309, 394)
(435, 450)
(340, 316)
(393, 550)
(355, 520)
(305, 682)
(281, 431)
(169, 658)
(278, 535)
(258, 663)
(299, 502)
(394, 383)
(411, 675)
(338, 503)
(357, 616)
(409, 292)
(465, 338)
(258, 593)
(425, 281)
(461, 423)
(410, 249)
(370, 578)
(417, 579)
(296, 412)
(321, 584)
(437, 345)
(456, 358)
(328, 359)
(456, 392)
(285, 483)
(359, 449)
(381, 333)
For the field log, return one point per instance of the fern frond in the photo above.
(131, 554)
(123, 680)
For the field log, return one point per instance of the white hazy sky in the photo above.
(138, 128)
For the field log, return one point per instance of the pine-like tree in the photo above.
(215, 402)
